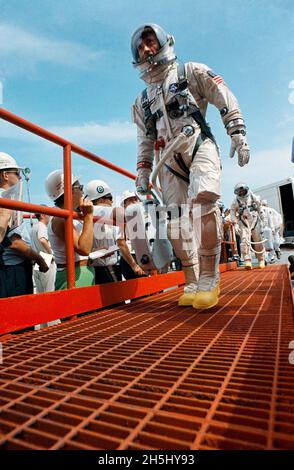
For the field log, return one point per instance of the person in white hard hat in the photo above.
(5, 215)
(82, 231)
(107, 236)
(44, 282)
(9, 164)
(18, 256)
(127, 199)
(246, 215)
(170, 114)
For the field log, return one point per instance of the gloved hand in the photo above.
(237, 229)
(239, 145)
(142, 184)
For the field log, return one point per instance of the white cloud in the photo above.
(291, 94)
(87, 134)
(90, 134)
(9, 131)
(21, 50)
(285, 121)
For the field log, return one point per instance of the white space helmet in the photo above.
(8, 162)
(240, 187)
(96, 189)
(54, 184)
(126, 195)
(164, 56)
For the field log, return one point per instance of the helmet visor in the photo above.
(242, 191)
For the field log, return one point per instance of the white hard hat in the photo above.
(8, 162)
(126, 195)
(54, 184)
(96, 189)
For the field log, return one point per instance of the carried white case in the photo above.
(146, 227)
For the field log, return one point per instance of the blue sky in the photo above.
(66, 65)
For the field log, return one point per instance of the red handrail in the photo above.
(69, 220)
(233, 243)
(36, 208)
(67, 213)
(34, 129)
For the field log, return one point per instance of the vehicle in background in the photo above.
(280, 196)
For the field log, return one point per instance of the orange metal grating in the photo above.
(151, 375)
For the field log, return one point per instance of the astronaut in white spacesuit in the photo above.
(247, 217)
(170, 115)
(278, 231)
(268, 231)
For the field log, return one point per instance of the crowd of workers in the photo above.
(38, 253)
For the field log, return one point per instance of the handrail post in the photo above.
(69, 242)
(234, 240)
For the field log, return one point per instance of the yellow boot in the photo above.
(208, 284)
(186, 299)
(206, 299)
(248, 265)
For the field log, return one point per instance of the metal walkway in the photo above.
(151, 375)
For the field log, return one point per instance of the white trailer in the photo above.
(280, 196)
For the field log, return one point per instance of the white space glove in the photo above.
(239, 145)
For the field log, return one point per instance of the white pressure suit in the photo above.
(246, 215)
(176, 99)
(268, 232)
(278, 231)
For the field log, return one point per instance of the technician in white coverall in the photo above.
(246, 215)
(107, 236)
(171, 113)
